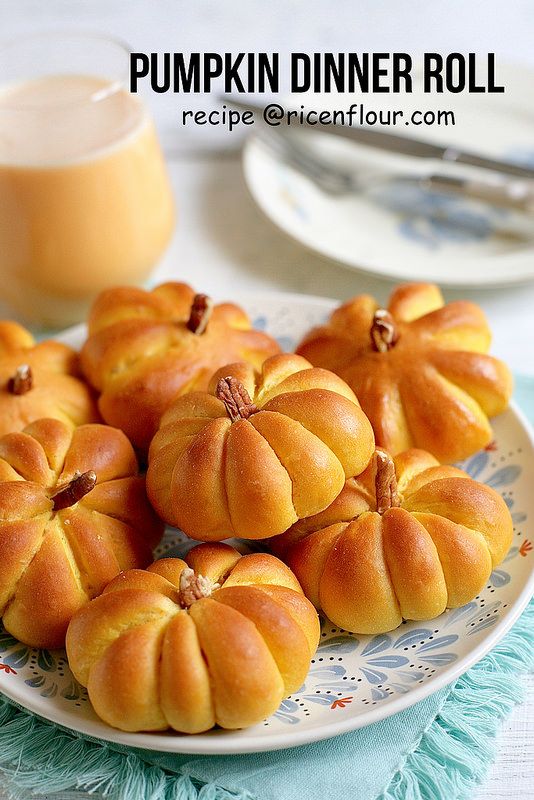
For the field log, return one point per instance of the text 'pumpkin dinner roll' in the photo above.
(406, 540)
(40, 380)
(419, 368)
(258, 451)
(73, 514)
(145, 349)
(218, 639)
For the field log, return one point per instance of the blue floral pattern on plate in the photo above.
(349, 674)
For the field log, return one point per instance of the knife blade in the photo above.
(402, 145)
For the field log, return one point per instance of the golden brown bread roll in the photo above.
(407, 539)
(147, 348)
(40, 380)
(258, 452)
(218, 639)
(420, 369)
(73, 513)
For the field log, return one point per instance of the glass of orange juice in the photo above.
(85, 200)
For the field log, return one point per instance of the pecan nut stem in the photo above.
(194, 587)
(200, 313)
(22, 380)
(387, 495)
(236, 399)
(384, 334)
(78, 487)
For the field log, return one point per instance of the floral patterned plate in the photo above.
(353, 680)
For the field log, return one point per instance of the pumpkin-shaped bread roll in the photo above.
(147, 348)
(73, 514)
(406, 540)
(419, 368)
(258, 451)
(40, 380)
(218, 639)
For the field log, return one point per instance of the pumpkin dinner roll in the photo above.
(73, 514)
(419, 368)
(406, 540)
(145, 349)
(258, 451)
(40, 380)
(217, 639)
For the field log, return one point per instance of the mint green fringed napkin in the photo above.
(437, 750)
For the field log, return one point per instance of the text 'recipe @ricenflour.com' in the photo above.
(316, 73)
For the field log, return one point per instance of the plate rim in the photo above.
(461, 281)
(208, 744)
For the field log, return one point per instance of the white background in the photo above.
(223, 244)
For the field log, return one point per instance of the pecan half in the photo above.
(385, 482)
(80, 485)
(193, 587)
(22, 380)
(384, 332)
(200, 313)
(236, 399)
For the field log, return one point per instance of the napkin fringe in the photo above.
(38, 757)
(455, 751)
(452, 755)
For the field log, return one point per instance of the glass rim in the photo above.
(114, 86)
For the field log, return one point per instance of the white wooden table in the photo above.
(223, 245)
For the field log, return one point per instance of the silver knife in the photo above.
(404, 145)
(514, 194)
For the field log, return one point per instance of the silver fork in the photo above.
(323, 173)
(516, 194)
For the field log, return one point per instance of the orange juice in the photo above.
(84, 197)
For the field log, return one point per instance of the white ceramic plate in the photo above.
(400, 233)
(353, 680)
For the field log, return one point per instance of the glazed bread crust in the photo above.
(368, 571)
(54, 561)
(57, 389)
(254, 477)
(434, 387)
(228, 659)
(140, 354)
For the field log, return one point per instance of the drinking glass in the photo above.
(85, 200)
